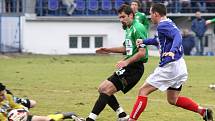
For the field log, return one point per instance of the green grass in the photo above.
(69, 83)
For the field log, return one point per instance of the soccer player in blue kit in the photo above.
(171, 73)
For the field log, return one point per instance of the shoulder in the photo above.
(164, 25)
(138, 26)
(9, 96)
(167, 26)
(140, 13)
(143, 15)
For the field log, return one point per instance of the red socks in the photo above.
(182, 102)
(189, 104)
(139, 107)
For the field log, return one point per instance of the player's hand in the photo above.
(139, 42)
(102, 50)
(208, 22)
(121, 64)
(171, 54)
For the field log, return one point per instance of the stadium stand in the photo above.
(80, 7)
(93, 7)
(53, 6)
(109, 7)
(40, 7)
(103, 7)
(106, 7)
(117, 4)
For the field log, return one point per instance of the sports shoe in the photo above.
(56, 117)
(59, 116)
(76, 118)
(208, 116)
(89, 119)
(68, 115)
(123, 118)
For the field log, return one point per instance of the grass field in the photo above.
(69, 83)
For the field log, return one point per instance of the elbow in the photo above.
(142, 53)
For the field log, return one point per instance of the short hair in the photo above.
(2, 87)
(138, 2)
(160, 8)
(125, 8)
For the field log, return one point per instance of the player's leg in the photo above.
(159, 79)
(52, 117)
(32, 103)
(141, 101)
(174, 98)
(114, 104)
(25, 102)
(124, 79)
(106, 89)
(180, 73)
(131, 76)
(39, 118)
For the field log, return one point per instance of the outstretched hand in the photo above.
(208, 22)
(171, 54)
(102, 50)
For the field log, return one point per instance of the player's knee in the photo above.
(142, 92)
(105, 90)
(32, 103)
(102, 89)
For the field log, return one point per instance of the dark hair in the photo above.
(2, 87)
(138, 2)
(160, 8)
(125, 8)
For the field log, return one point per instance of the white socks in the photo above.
(119, 110)
(92, 116)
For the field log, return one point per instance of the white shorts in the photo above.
(173, 74)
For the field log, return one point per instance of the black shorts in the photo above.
(127, 77)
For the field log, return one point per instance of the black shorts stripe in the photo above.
(176, 89)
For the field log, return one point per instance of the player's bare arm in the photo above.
(208, 22)
(103, 50)
(141, 53)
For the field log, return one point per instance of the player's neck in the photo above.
(162, 18)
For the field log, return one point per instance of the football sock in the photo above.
(201, 110)
(91, 117)
(189, 104)
(139, 107)
(56, 117)
(113, 103)
(99, 105)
